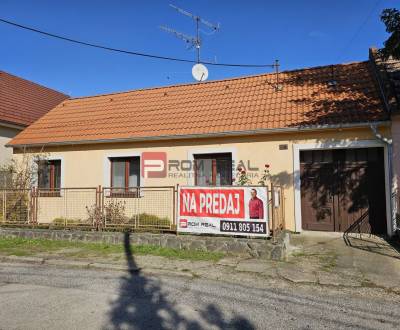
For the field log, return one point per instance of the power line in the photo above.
(360, 27)
(159, 57)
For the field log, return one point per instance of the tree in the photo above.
(391, 18)
(21, 172)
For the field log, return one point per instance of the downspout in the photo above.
(393, 204)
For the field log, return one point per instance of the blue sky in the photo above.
(298, 33)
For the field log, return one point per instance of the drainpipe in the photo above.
(389, 144)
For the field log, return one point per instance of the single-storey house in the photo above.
(21, 103)
(323, 132)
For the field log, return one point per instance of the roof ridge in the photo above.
(210, 81)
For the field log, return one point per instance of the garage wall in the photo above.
(86, 166)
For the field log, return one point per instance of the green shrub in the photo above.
(62, 221)
(146, 219)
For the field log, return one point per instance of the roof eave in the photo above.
(12, 125)
(208, 135)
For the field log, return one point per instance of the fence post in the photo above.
(282, 206)
(36, 204)
(176, 197)
(136, 223)
(273, 212)
(98, 208)
(4, 205)
(65, 197)
(33, 205)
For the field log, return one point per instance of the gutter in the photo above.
(10, 125)
(208, 135)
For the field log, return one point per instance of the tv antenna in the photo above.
(193, 41)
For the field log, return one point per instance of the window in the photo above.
(49, 177)
(125, 175)
(5, 179)
(213, 169)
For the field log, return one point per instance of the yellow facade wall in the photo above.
(86, 165)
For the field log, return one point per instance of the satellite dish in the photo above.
(199, 72)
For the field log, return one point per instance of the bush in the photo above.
(114, 212)
(62, 221)
(95, 216)
(146, 219)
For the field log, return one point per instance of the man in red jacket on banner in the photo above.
(256, 206)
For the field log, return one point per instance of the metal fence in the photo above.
(133, 208)
(139, 207)
(64, 207)
(99, 208)
(16, 206)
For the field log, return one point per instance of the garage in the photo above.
(342, 186)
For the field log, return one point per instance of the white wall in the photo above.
(6, 134)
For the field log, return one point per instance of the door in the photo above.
(338, 187)
(317, 203)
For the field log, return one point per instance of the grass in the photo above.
(326, 260)
(30, 247)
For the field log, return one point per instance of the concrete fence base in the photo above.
(256, 247)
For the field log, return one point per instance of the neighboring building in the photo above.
(315, 127)
(21, 103)
(388, 73)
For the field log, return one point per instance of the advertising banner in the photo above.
(223, 210)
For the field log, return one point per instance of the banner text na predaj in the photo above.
(223, 210)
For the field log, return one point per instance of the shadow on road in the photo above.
(143, 304)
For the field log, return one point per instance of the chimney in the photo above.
(387, 73)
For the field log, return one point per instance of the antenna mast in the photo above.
(193, 41)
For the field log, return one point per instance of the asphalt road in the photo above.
(45, 297)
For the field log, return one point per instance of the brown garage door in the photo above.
(339, 186)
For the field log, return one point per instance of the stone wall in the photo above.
(256, 247)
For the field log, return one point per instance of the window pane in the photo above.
(134, 172)
(224, 172)
(204, 172)
(44, 175)
(118, 173)
(57, 173)
(5, 179)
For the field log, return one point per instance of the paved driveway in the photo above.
(368, 259)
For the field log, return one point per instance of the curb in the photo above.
(92, 265)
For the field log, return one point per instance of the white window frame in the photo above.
(107, 165)
(62, 176)
(219, 150)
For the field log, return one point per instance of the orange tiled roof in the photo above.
(22, 101)
(233, 105)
